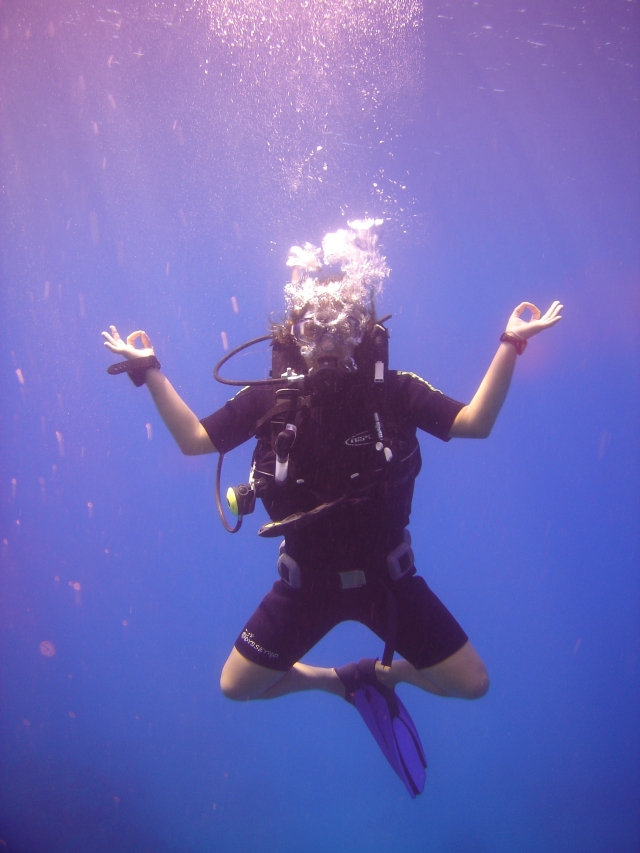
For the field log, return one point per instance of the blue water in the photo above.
(161, 158)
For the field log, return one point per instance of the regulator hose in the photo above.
(243, 382)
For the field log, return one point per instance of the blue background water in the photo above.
(158, 160)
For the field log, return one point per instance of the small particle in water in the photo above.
(116, 799)
(94, 125)
(149, 431)
(225, 341)
(234, 305)
(90, 509)
(77, 592)
(56, 578)
(94, 228)
(577, 645)
(72, 715)
(14, 487)
(47, 286)
(60, 440)
(26, 722)
(47, 648)
(20, 376)
(125, 623)
(112, 101)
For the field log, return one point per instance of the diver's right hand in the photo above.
(129, 350)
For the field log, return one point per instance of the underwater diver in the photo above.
(335, 464)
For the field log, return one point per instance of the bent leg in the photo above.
(243, 680)
(462, 675)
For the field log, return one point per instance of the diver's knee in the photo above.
(478, 686)
(232, 684)
(232, 688)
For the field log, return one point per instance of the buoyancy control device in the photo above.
(295, 390)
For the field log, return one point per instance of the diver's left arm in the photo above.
(477, 419)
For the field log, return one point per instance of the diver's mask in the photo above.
(327, 344)
(310, 330)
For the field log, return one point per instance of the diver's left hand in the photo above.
(527, 329)
(128, 348)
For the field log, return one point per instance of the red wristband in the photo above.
(511, 338)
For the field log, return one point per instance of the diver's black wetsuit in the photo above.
(335, 454)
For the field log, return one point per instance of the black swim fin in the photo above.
(388, 721)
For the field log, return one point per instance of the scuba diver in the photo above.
(335, 464)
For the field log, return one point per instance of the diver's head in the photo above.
(328, 336)
(329, 314)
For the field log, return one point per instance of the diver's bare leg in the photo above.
(462, 675)
(242, 680)
(303, 677)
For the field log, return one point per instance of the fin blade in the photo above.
(406, 719)
(399, 743)
(413, 770)
(388, 721)
(375, 712)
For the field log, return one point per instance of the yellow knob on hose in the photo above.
(232, 501)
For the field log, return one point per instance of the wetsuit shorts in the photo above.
(289, 622)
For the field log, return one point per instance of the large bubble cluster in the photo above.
(349, 289)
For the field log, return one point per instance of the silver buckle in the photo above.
(289, 570)
(401, 560)
(351, 580)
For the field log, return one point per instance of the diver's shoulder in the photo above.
(408, 379)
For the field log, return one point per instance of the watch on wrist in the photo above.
(515, 340)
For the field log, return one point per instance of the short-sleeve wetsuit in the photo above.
(335, 451)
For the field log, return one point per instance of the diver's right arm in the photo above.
(191, 437)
